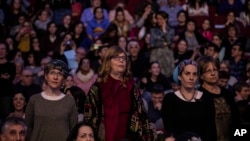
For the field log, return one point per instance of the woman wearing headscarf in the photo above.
(188, 109)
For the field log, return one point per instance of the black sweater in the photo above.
(181, 116)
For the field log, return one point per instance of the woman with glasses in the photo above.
(188, 109)
(225, 111)
(113, 105)
(50, 115)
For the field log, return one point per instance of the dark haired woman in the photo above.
(51, 41)
(82, 132)
(188, 109)
(85, 76)
(161, 39)
(97, 25)
(122, 24)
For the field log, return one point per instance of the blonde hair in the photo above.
(105, 68)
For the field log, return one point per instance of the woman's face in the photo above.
(182, 46)
(79, 28)
(54, 79)
(18, 55)
(67, 37)
(120, 16)
(67, 20)
(118, 63)
(69, 82)
(216, 40)
(190, 26)
(148, 8)
(96, 3)
(189, 76)
(85, 66)
(31, 59)
(99, 14)
(19, 68)
(155, 69)
(231, 17)
(52, 28)
(122, 42)
(35, 42)
(133, 50)
(21, 20)
(232, 32)
(210, 74)
(160, 20)
(16, 4)
(223, 67)
(181, 18)
(44, 16)
(19, 102)
(206, 25)
(85, 133)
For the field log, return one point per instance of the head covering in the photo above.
(179, 68)
(57, 64)
(133, 42)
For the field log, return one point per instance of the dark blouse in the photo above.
(226, 113)
(180, 116)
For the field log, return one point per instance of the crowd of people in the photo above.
(118, 70)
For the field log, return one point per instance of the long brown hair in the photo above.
(105, 69)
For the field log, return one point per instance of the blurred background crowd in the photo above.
(155, 34)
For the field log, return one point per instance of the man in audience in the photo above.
(237, 63)
(224, 77)
(154, 106)
(172, 8)
(13, 129)
(26, 84)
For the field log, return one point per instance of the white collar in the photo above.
(52, 98)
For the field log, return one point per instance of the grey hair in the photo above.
(13, 121)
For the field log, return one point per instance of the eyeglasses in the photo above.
(120, 58)
(211, 71)
(53, 73)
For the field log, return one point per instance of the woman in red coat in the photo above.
(114, 105)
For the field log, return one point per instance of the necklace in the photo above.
(193, 96)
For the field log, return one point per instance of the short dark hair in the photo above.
(224, 75)
(157, 88)
(238, 86)
(163, 14)
(214, 46)
(74, 132)
(241, 46)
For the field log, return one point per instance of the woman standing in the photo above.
(160, 39)
(123, 25)
(225, 110)
(51, 115)
(187, 109)
(114, 104)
